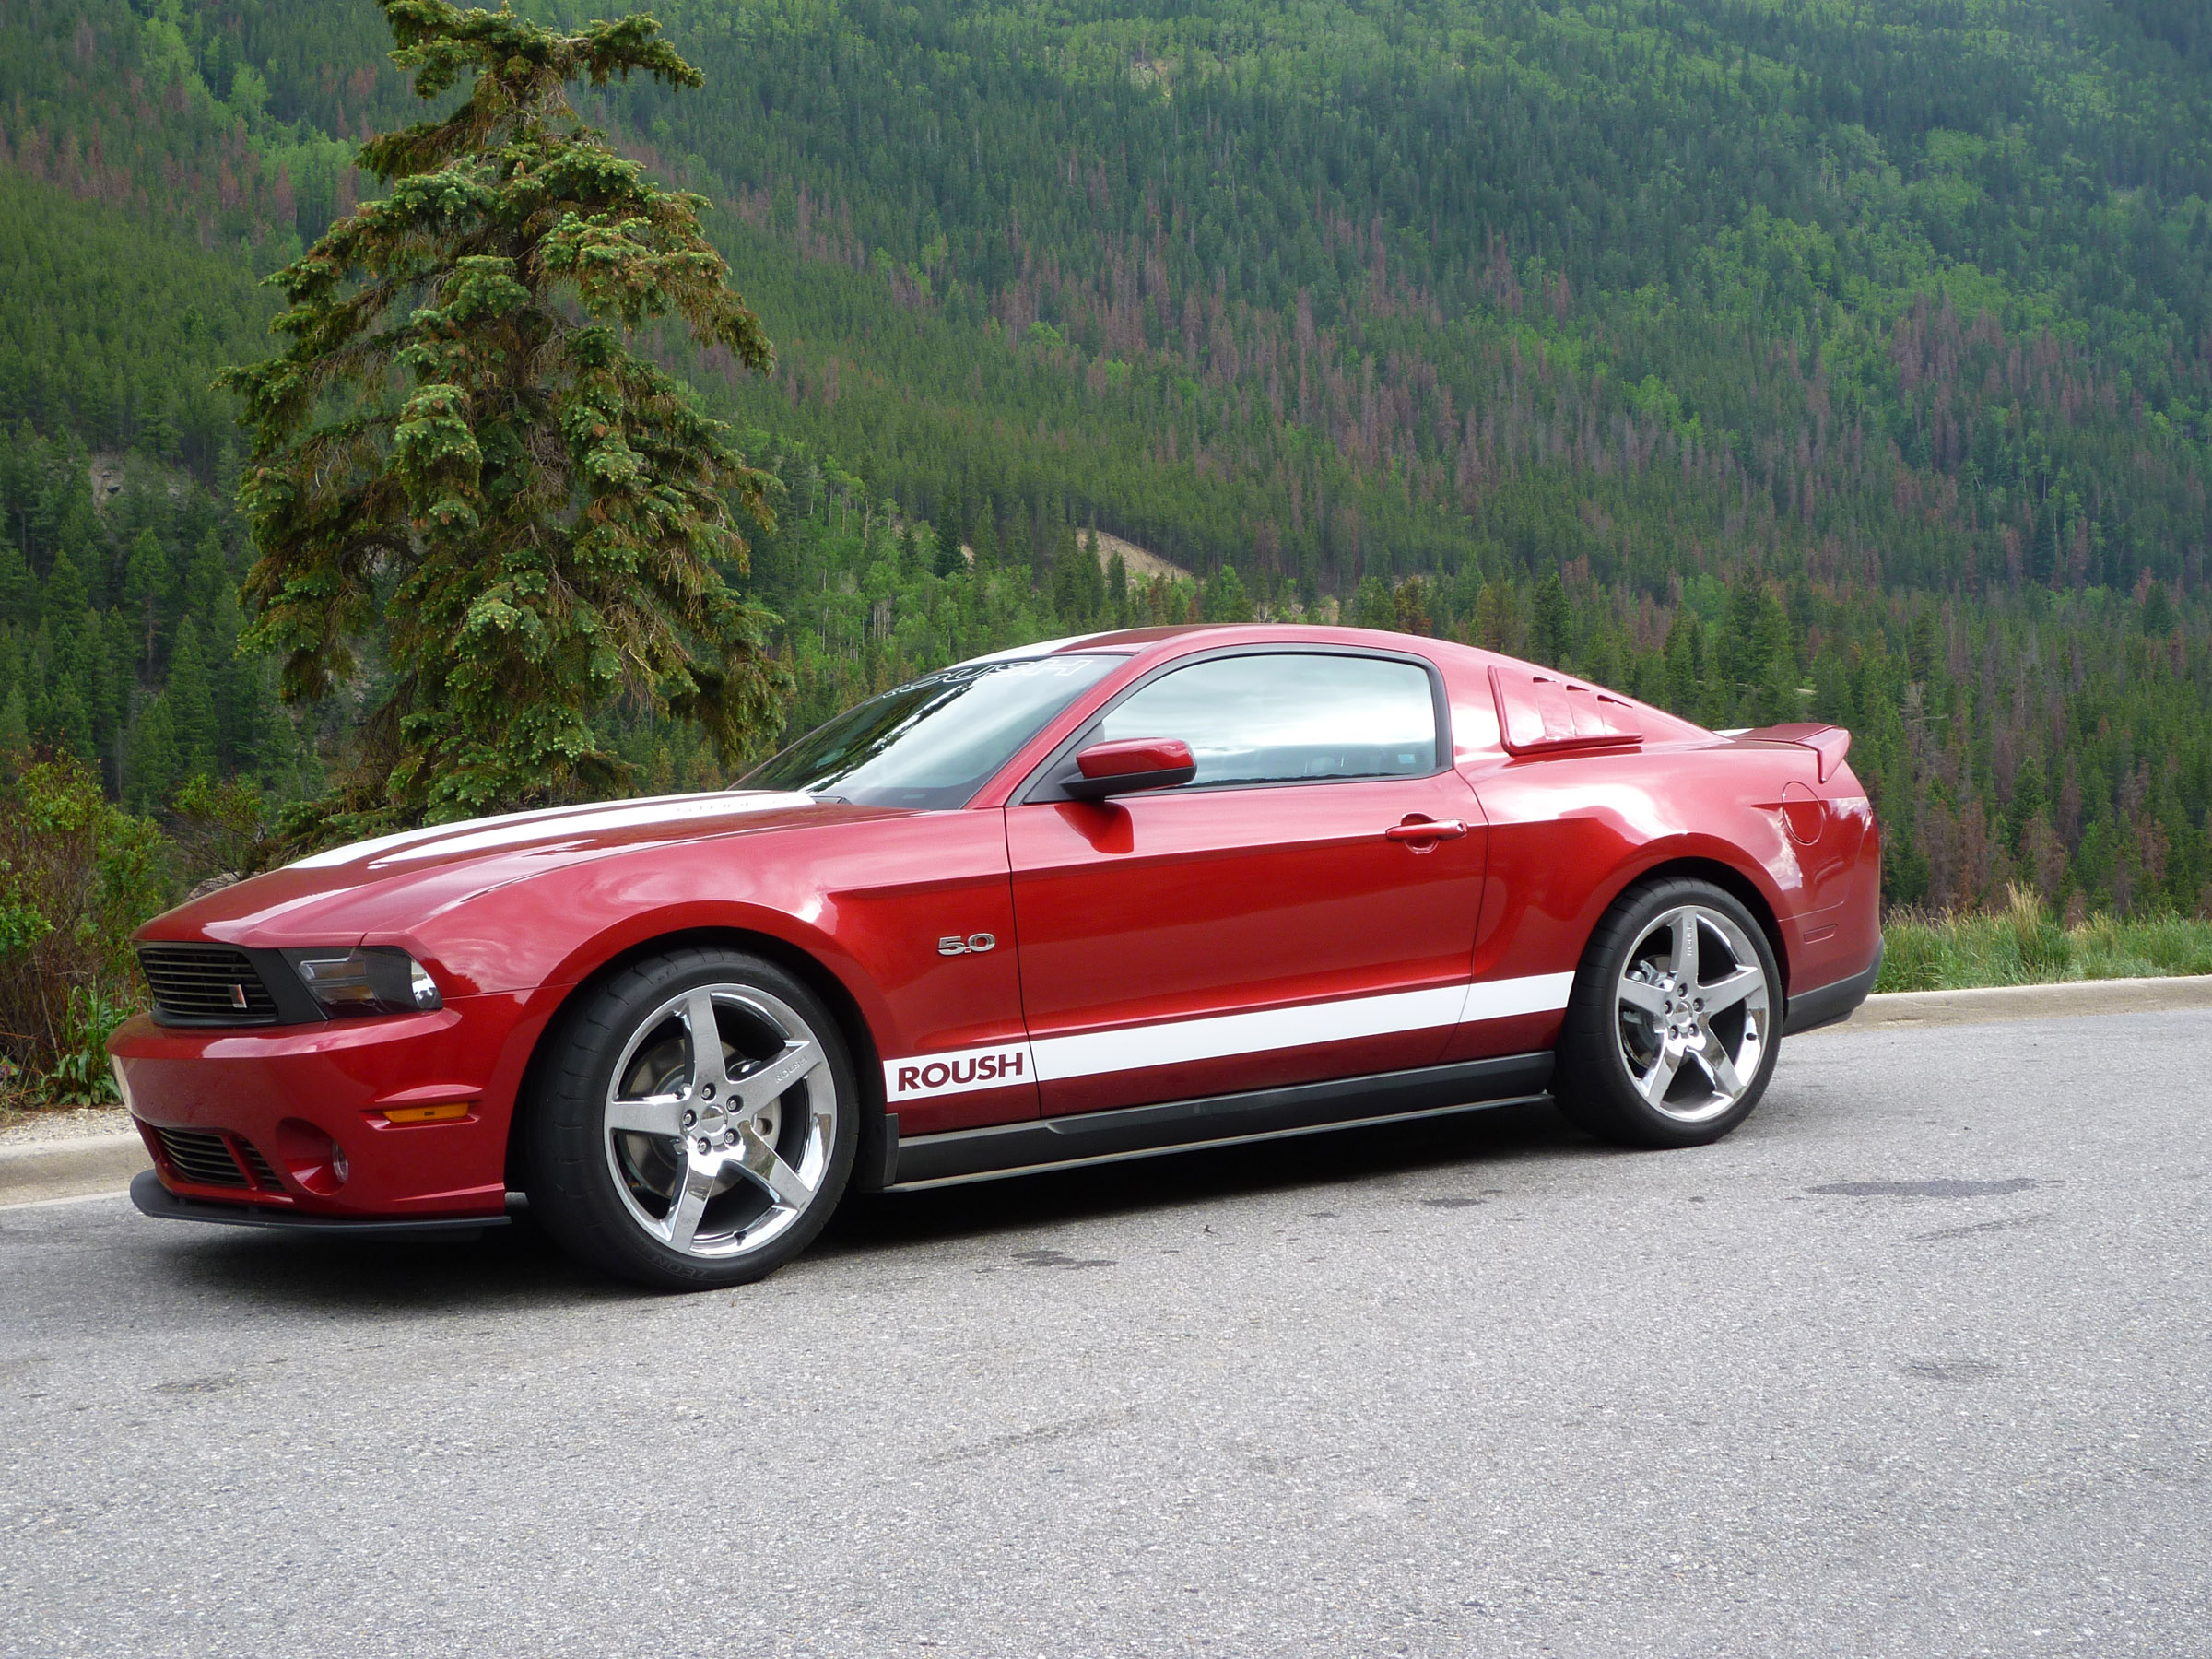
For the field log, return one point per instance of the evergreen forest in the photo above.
(1769, 360)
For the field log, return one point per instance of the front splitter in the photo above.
(154, 1199)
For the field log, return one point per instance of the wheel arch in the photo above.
(843, 1006)
(1730, 880)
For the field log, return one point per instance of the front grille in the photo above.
(202, 1159)
(206, 984)
(263, 1176)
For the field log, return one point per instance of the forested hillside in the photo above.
(1767, 359)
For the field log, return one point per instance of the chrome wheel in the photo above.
(1693, 1014)
(721, 1121)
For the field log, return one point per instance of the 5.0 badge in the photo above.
(973, 945)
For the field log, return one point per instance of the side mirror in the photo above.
(1130, 764)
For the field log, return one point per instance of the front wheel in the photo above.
(1674, 1021)
(696, 1123)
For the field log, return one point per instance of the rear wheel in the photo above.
(1674, 1021)
(697, 1123)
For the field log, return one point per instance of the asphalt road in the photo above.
(1915, 1363)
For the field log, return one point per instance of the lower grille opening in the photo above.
(263, 1176)
(202, 1159)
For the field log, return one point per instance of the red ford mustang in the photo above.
(1086, 901)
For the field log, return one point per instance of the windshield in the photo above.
(937, 741)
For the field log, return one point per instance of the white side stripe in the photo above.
(1216, 1037)
(1141, 1047)
(1502, 999)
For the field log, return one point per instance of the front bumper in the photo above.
(312, 1122)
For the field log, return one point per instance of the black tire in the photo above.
(732, 1214)
(1612, 1041)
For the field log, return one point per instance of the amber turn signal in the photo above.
(444, 1113)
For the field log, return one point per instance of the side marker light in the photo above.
(444, 1113)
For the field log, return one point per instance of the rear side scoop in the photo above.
(1541, 713)
(1830, 743)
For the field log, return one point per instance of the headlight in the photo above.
(369, 978)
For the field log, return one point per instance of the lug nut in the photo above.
(690, 1118)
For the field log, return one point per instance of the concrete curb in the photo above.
(70, 1169)
(105, 1164)
(1902, 1011)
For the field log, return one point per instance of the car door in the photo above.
(1304, 909)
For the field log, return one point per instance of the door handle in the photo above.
(1427, 831)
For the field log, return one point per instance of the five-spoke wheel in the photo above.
(1694, 1021)
(697, 1127)
(721, 1115)
(1672, 1030)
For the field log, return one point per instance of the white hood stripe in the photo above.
(548, 824)
(627, 817)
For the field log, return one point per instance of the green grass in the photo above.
(2025, 944)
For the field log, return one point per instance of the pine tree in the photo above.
(117, 685)
(256, 732)
(1552, 628)
(69, 726)
(155, 767)
(1411, 601)
(191, 697)
(951, 531)
(2159, 614)
(1091, 580)
(1373, 607)
(19, 587)
(1737, 655)
(1069, 598)
(209, 585)
(458, 440)
(985, 538)
(64, 601)
(1685, 674)
(143, 581)
(1117, 578)
(1225, 600)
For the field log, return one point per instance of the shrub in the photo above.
(2024, 945)
(219, 829)
(77, 875)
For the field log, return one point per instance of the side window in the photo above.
(1280, 718)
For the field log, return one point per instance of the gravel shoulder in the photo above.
(70, 1124)
(69, 1154)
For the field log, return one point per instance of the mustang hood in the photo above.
(337, 895)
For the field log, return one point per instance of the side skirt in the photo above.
(1090, 1137)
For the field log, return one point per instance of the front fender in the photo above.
(868, 901)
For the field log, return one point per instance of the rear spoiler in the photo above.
(1830, 743)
